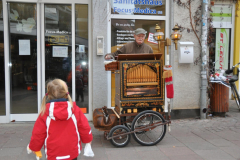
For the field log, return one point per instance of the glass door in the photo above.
(23, 60)
(58, 43)
(65, 39)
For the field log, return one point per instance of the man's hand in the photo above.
(108, 57)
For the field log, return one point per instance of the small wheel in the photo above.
(148, 136)
(120, 141)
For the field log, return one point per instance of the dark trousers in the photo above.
(75, 159)
(80, 93)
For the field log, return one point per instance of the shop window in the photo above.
(23, 57)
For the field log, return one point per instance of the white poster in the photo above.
(82, 48)
(24, 47)
(60, 51)
(151, 38)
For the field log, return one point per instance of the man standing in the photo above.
(138, 46)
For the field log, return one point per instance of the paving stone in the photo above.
(234, 151)
(186, 157)
(220, 142)
(122, 154)
(170, 142)
(189, 139)
(177, 151)
(236, 142)
(229, 135)
(214, 155)
(11, 151)
(200, 146)
(205, 134)
(152, 155)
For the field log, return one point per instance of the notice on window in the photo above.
(60, 51)
(24, 47)
(81, 48)
(151, 38)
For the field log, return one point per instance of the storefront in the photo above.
(41, 41)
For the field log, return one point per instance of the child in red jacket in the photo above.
(61, 125)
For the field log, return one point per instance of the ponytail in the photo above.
(43, 106)
(70, 100)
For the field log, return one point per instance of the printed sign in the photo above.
(221, 50)
(151, 38)
(81, 48)
(24, 47)
(60, 51)
(123, 32)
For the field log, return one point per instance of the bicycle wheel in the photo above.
(120, 141)
(148, 136)
(235, 95)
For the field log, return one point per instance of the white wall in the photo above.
(186, 77)
(99, 28)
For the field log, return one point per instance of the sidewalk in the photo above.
(190, 139)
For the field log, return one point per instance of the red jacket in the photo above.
(61, 129)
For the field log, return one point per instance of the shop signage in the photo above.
(146, 7)
(58, 39)
(221, 51)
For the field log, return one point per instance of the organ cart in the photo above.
(139, 101)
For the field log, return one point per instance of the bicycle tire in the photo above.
(120, 141)
(148, 137)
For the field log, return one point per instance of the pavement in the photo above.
(214, 138)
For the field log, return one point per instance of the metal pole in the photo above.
(203, 99)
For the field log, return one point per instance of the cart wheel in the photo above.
(148, 136)
(120, 141)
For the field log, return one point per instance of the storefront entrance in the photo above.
(43, 41)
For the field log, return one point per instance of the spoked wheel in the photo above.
(149, 131)
(121, 140)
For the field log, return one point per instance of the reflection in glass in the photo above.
(122, 34)
(23, 57)
(81, 57)
(2, 68)
(58, 49)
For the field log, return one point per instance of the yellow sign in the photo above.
(58, 39)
